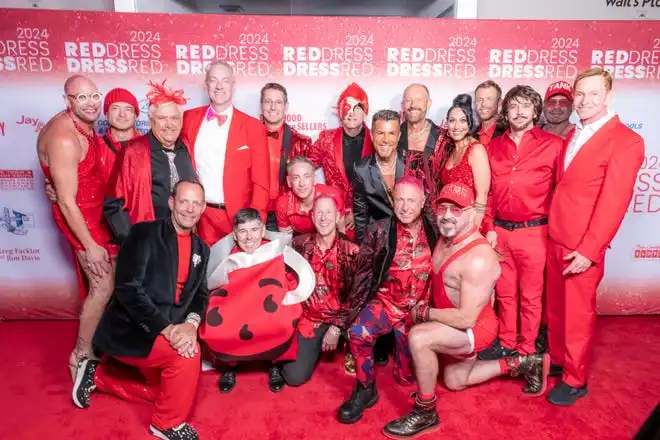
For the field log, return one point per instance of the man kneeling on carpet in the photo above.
(152, 319)
(333, 258)
(462, 320)
(253, 309)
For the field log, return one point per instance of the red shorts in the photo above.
(483, 333)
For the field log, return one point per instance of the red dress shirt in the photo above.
(183, 268)
(274, 155)
(407, 282)
(486, 135)
(289, 213)
(523, 177)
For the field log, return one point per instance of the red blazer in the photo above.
(246, 174)
(593, 194)
(327, 153)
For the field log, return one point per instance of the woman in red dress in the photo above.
(463, 159)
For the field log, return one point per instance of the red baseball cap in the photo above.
(559, 88)
(456, 193)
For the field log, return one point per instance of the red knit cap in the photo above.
(120, 95)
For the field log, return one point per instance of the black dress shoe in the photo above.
(275, 379)
(565, 395)
(362, 398)
(422, 419)
(556, 371)
(496, 351)
(541, 343)
(381, 358)
(227, 381)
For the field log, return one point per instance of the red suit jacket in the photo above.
(246, 175)
(327, 153)
(594, 192)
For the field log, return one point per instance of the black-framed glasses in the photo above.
(82, 98)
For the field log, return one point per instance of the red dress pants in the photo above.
(213, 225)
(521, 282)
(571, 305)
(172, 378)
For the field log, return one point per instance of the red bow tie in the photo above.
(213, 115)
(274, 134)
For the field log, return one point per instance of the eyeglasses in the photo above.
(442, 210)
(82, 98)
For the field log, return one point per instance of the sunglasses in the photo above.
(455, 210)
(82, 98)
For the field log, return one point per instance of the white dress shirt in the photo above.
(210, 149)
(582, 134)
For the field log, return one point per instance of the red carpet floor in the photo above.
(35, 400)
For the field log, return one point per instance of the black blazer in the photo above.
(429, 147)
(142, 304)
(370, 200)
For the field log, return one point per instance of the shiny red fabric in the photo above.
(407, 282)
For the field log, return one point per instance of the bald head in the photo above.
(74, 84)
(409, 200)
(416, 102)
(82, 98)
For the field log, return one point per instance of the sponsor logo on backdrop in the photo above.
(15, 220)
(16, 255)
(102, 126)
(298, 123)
(646, 253)
(635, 125)
(457, 60)
(558, 61)
(36, 123)
(16, 180)
(646, 199)
(27, 51)
(351, 60)
(250, 57)
(138, 54)
(630, 64)
(2, 128)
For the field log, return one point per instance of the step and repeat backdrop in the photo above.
(315, 58)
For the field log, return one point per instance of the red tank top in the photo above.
(440, 298)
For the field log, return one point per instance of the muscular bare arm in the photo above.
(477, 282)
(63, 157)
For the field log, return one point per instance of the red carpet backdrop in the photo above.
(314, 57)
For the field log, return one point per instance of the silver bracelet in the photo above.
(194, 319)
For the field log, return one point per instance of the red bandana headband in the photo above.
(162, 94)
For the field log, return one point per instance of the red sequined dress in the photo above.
(461, 172)
(91, 190)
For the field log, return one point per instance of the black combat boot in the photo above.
(362, 398)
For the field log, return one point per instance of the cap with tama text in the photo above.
(456, 193)
(559, 88)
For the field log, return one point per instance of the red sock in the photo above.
(507, 364)
(426, 397)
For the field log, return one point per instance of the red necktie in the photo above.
(213, 115)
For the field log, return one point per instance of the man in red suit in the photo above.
(597, 175)
(523, 164)
(284, 143)
(149, 166)
(337, 151)
(230, 153)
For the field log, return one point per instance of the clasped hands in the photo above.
(182, 338)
